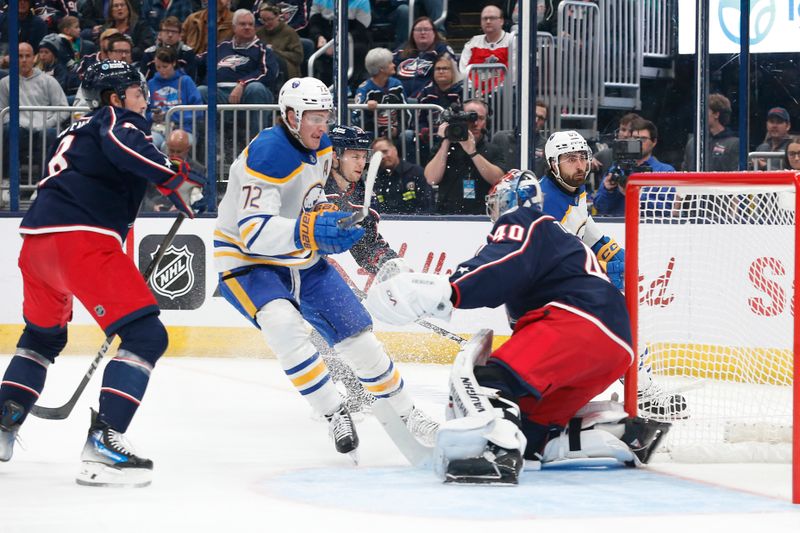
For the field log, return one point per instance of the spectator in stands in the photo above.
(178, 146)
(52, 12)
(155, 11)
(70, 32)
(603, 158)
(722, 145)
(281, 38)
(124, 19)
(320, 31)
(35, 89)
(493, 46)
(100, 55)
(31, 29)
(381, 88)
(610, 196)
(507, 139)
(48, 59)
(246, 69)
(445, 90)
(93, 15)
(295, 13)
(414, 59)
(778, 125)
(466, 170)
(195, 27)
(168, 88)
(120, 47)
(792, 154)
(169, 36)
(401, 186)
(396, 12)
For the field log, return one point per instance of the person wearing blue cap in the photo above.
(778, 125)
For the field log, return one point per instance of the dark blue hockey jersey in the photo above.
(530, 261)
(97, 176)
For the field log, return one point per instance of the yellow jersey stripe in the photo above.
(241, 296)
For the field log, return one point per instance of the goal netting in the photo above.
(714, 317)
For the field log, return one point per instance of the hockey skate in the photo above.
(421, 426)
(659, 404)
(343, 432)
(109, 461)
(643, 436)
(497, 466)
(10, 415)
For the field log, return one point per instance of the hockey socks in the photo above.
(24, 379)
(124, 383)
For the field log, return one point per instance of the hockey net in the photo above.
(713, 256)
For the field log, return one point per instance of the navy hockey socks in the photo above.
(124, 383)
(24, 379)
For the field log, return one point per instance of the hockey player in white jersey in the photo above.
(273, 232)
(569, 160)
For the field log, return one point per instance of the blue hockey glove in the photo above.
(320, 231)
(612, 259)
(183, 190)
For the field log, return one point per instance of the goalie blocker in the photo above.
(483, 441)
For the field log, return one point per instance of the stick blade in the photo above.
(417, 453)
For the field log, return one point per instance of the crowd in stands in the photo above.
(263, 43)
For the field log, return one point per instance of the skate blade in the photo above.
(101, 475)
(354, 457)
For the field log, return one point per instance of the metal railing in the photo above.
(491, 83)
(657, 32)
(770, 160)
(578, 66)
(33, 141)
(546, 81)
(621, 26)
(327, 46)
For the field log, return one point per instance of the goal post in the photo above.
(711, 269)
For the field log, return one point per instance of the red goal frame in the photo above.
(635, 183)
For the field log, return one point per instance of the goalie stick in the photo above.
(369, 185)
(417, 453)
(62, 412)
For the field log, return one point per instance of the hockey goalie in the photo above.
(530, 398)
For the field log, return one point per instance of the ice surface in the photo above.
(236, 449)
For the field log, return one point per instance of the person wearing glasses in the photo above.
(610, 196)
(465, 170)
(415, 58)
(169, 36)
(792, 159)
(722, 145)
(492, 46)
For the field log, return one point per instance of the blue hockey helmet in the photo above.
(349, 138)
(110, 75)
(516, 188)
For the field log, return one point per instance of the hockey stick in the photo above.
(62, 412)
(417, 453)
(369, 185)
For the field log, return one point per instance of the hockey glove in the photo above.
(409, 296)
(183, 190)
(320, 231)
(612, 259)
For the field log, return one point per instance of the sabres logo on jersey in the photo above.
(314, 196)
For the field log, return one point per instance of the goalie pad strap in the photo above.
(574, 433)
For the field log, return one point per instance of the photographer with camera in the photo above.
(466, 163)
(631, 156)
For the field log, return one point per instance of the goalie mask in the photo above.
(111, 75)
(516, 188)
(301, 95)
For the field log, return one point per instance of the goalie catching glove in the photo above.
(320, 231)
(409, 296)
(612, 258)
(183, 191)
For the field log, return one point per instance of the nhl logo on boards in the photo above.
(179, 281)
(174, 276)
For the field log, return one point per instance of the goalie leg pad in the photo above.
(573, 444)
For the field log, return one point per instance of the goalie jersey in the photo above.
(530, 261)
(272, 182)
(97, 176)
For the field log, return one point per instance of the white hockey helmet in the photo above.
(516, 188)
(564, 142)
(301, 95)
